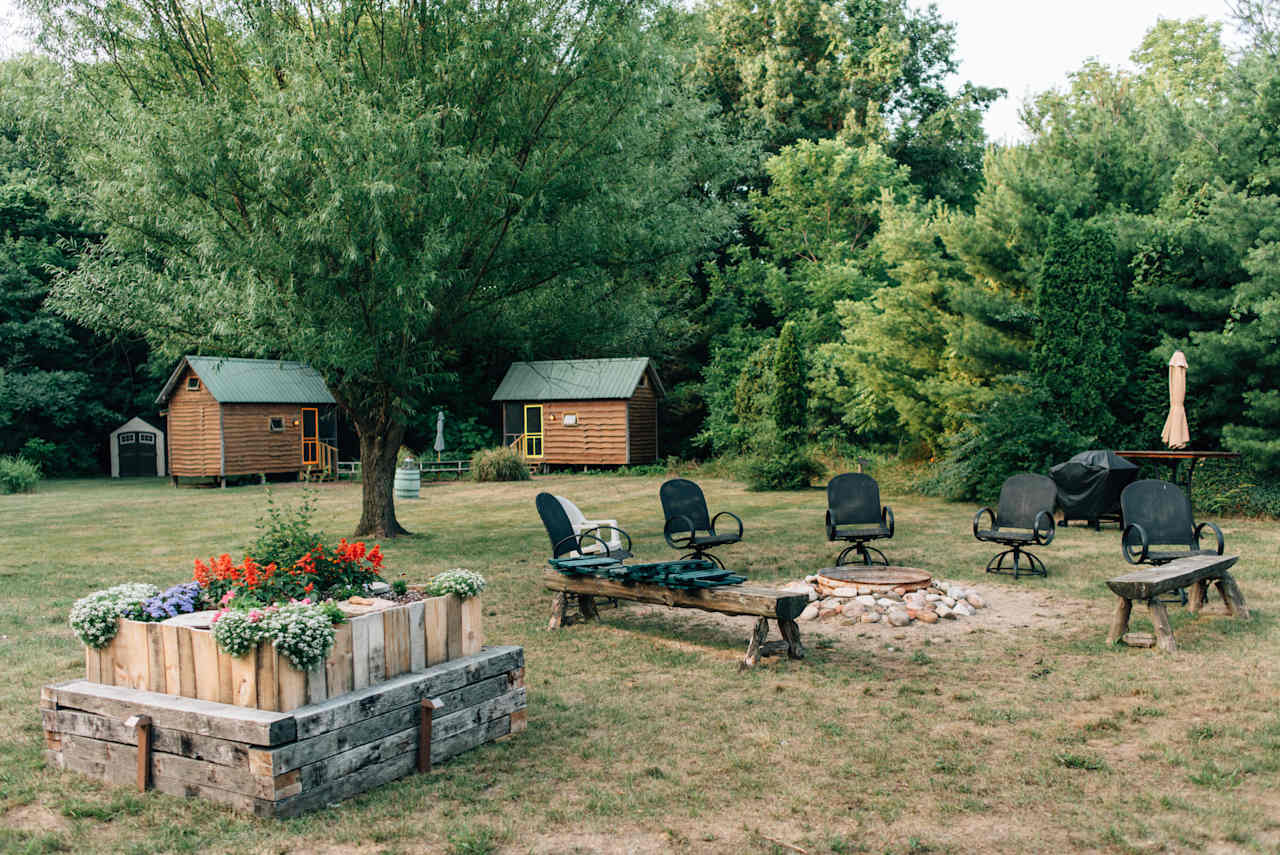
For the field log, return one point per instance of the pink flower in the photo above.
(255, 616)
(227, 597)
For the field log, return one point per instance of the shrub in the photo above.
(1234, 487)
(498, 464)
(779, 458)
(459, 582)
(777, 465)
(287, 534)
(18, 475)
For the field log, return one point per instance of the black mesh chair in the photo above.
(854, 515)
(1158, 514)
(1024, 518)
(685, 511)
(564, 540)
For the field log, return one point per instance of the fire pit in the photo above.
(855, 580)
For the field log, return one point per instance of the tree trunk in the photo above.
(379, 443)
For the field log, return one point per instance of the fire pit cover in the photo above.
(886, 578)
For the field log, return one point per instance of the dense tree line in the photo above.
(410, 195)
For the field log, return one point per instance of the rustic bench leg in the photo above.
(1120, 620)
(587, 605)
(791, 632)
(758, 635)
(1196, 597)
(1231, 595)
(1164, 630)
(559, 604)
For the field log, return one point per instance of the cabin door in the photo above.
(533, 430)
(310, 436)
(136, 453)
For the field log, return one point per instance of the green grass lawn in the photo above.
(644, 737)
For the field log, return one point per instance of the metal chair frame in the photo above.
(1017, 492)
(852, 499)
(685, 508)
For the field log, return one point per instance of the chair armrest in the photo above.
(831, 529)
(727, 514)
(1044, 540)
(675, 542)
(1126, 545)
(594, 532)
(587, 525)
(1217, 531)
(886, 518)
(977, 518)
(577, 540)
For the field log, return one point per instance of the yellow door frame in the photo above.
(533, 441)
(310, 446)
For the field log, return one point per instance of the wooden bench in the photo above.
(767, 604)
(1196, 571)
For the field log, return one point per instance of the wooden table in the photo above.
(767, 604)
(1172, 457)
(1148, 584)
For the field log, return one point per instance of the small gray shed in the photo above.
(137, 450)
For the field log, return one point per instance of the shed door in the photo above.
(137, 454)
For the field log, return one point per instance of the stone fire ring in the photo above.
(871, 579)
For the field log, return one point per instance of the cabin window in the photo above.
(276, 424)
(570, 419)
(193, 384)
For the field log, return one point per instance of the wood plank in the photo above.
(1151, 582)
(338, 666)
(225, 752)
(257, 727)
(131, 660)
(1120, 620)
(92, 664)
(453, 640)
(268, 670)
(226, 686)
(297, 754)
(156, 678)
(292, 685)
(436, 627)
(107, 664)
(360, 649)
(1160, 620)
(317, 687)
(172, 659)
(244, 679)
(377, 650)
(728, 599)
(187, 663)
(395, 635)
(472, 626)
(417, 636)
(406, 689)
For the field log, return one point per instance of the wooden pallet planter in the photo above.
(284, 763)
(371, 648)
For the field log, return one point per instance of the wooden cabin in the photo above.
(137, 450)
(592, 412)
(229, 417)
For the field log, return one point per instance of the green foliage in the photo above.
(777, 465)
(285, 531)
(1018, 432)
(1078, 356)
(779, 458)
(790, 397)
(18, 475)
(1234, 487)
(399, 587)
(498, 464)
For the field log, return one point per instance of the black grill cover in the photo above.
(1089, 484)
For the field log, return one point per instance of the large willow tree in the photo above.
(380, 187)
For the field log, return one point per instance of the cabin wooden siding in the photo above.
(642, 424)
(194, 434)
(599, 437)
(252, 447)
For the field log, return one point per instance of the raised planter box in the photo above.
(369, 649)
(284, 763)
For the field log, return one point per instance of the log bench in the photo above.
(766, 604)
(1195, 571)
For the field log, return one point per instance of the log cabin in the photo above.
(229, 417)
(588, 412)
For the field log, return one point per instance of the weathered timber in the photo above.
(758, 634)
(141, 726)
(791, 632)
(472, 627)
(92, 665)
(317, 686)
(360, 627)
(437, 628)
(186, 666)
(427, 708)
(205, 656)
(244, 679)
(1164, 631)
(1231, 596)
(155, 659)
(1138, 639)
(406, 689)
(1120, 620)
(211, 749)
(291, 684)
(395, 634)
(453, 611)
(1151, 582)
(205, 718)
(377, 649)
(417, 636)
(559, 607)
(339, 665)
(295, 755)
(172, 660)
(1196, 596)
(268, 677)
(728, 599)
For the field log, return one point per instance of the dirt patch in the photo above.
(35, 817)
(620, 843)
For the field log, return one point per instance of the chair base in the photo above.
(864, 552)
(1034, 566)
(703, 555)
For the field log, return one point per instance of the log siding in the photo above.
(194, 437)
(252, 447)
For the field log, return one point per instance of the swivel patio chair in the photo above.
(613, 545)
(1158, 514)
(685, 511)
(1023, 518)
(566, 542)
(854, 515)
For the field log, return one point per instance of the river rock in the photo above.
(927, 616)
(866, 599)
(885, 602)
(846, 591)
(974, 600)
(854, 609)
(871, 617)
(810, 612)
(963, 608)
(949, 601)
(944, 612)
(898, 617)
(932, 598)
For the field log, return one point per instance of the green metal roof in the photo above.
(575, 379)
(253, 381)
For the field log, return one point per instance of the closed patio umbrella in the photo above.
(1176, 434)
(439, 445)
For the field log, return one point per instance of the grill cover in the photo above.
(1090, 483)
